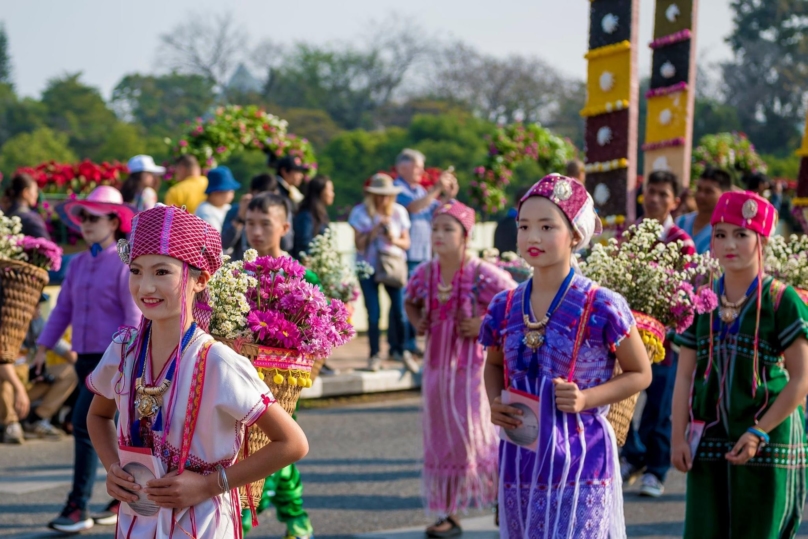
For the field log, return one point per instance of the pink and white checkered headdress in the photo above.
(171, 231)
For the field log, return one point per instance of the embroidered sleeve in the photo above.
(108, 375)
(491, 328)
(791, 318)
(618, 318)
(418, 284)
(239, 392)
(491, 282)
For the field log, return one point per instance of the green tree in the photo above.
(162, 103)
(31, 149)
(80, 112)
(766, 80)
(5, 58)
(18, 115)
(713, 116)
(126, 140)
(353, 156)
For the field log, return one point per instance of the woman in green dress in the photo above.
(741, 385)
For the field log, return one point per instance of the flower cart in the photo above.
(265, 310)
(659, 284)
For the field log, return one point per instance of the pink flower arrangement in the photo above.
(281, 309)
(41, 252)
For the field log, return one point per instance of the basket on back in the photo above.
(653, 336)
(21, 286)
(286, 373)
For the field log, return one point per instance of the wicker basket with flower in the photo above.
(24, 265)
(264, 309)
(659, 284)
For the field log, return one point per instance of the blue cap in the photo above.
(221, 179)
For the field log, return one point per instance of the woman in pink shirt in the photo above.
(95, 302)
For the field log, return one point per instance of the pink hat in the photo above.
(171, 231)
(747, 210)
(459, 211)
(104, 200)
(572, 199)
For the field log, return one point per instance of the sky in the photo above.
(107, 39)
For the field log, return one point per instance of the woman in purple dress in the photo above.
(552, 346)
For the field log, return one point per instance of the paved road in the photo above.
(361, 477)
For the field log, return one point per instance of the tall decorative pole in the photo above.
(799, 205)
(612, 107)
(671, 99)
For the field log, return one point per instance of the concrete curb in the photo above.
(359, 383)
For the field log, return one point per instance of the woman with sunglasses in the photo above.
(95, 301)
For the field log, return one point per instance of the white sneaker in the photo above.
(375, 363)
(43, 429)
(410, 362)
(652, 487)
(13, 434)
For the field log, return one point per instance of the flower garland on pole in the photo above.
(732, 152)
(509, 146)
(233, 129)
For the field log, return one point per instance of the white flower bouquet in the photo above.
(787, 260)
(337, 279)
(656, 280)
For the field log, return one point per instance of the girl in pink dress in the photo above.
(446, 299)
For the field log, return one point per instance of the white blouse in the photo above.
(232, 398)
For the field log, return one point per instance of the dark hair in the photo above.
(721, 177)
(659, 177)
(521, 192)
(574, 168)
(18, 184)
(753, 181)
(264, 183)
(313, 202)
(265, 201)
(187, 160)
(133, 185)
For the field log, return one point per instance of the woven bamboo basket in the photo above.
(286, 373)
(315, 368)
(621, 413)
(21, 286)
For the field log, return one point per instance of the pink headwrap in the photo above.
(747, 210)
(171, 231)
(572, 199)
(459, 211)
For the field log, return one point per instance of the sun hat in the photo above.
(382, 184)
(144, 163)
(747, 210)
(103, 200)
(221, 179)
